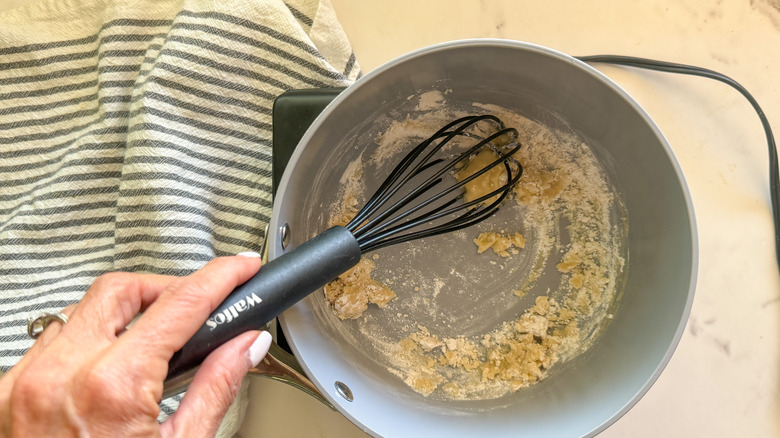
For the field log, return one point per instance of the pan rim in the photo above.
(275, 223)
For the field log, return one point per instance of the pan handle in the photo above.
(282, 366)
(278, 285)
(277, 365)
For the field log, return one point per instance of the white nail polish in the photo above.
(249, 254)
(259, 348)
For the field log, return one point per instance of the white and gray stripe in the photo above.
(142, 143)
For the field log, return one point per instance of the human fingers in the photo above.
(112, 301)
(216, 385)
(108, 305)
(42, 382)
(126, 379)
(51, 330)
(43, 340)
(85, 379)
(184, 306)
(8, 379)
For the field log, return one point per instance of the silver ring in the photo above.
(36, 326)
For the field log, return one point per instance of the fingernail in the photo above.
(259, 348)
(249, 254)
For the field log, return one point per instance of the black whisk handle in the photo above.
(278, 285)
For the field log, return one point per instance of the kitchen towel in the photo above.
(135, 135)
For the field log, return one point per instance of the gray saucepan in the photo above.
(587, 394)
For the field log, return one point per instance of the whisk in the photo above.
(419, 198)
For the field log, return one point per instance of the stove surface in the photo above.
(293, 113)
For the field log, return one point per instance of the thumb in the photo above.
(216, 385)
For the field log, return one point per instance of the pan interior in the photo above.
(468, 296)
(448, 293)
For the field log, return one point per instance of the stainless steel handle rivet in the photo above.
(284, 233)
(344, 391)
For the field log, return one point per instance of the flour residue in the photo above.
(475, 322)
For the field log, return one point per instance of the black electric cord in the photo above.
(669, 67)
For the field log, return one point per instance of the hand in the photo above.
(95, 377)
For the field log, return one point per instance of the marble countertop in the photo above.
(724, 378)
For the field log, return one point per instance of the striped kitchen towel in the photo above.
(135, 135)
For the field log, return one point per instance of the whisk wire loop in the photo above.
(381, 193)
(375, 227)
(470, 217)
(405, 171)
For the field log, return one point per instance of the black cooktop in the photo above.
(293, 112)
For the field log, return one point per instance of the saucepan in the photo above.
(654, 284)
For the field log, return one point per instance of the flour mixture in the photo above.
(494, 308)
